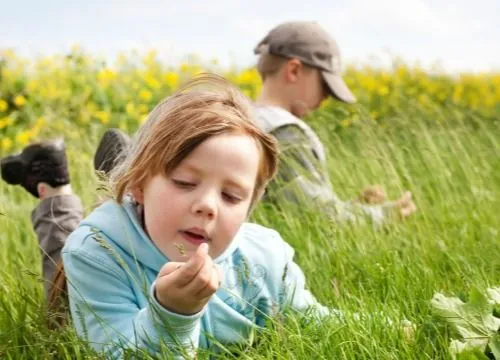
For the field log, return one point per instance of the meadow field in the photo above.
(433, 133)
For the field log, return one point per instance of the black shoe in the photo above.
(40, 162)
(111, 151)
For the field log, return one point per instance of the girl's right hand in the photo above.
(185, 288)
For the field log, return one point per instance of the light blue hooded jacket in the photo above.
(111, 265)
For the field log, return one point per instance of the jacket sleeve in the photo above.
(105, 312)
(302, 178)
(294, 293)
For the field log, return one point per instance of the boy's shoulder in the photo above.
(286, 127)
(271, 118)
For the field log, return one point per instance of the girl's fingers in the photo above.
(202, 280)
(212, 286)
(169, 268)
(190, 270)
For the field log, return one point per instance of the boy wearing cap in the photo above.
(300, 67)
(42, 169)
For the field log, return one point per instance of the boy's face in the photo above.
(310, 92)
(205, 199)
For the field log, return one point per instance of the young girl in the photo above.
(171, 262)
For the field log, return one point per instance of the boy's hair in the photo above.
(269, 64)
(206, 106)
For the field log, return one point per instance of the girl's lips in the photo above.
(193, 238)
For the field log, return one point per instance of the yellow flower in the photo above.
(103, 116)
(19, 100)
(145, 95)
(171, 79)
(23, 137)
(368, 83)
(248, 76)
(383, 90)
(5, 122)
(105, 76)
(6, 144)
(3, 105)
(457, 93)
(152, 82)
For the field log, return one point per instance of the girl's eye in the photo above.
(230, 198)
(183, 184)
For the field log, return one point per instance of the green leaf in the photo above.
(494, 295)
(473, 320)
(495, 346)
(464, 350)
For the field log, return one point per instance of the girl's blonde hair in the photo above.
(206, 106)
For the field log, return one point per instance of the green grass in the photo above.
(451, 163)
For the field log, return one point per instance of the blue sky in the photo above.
(458, 35)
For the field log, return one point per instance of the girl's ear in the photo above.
(138, 195)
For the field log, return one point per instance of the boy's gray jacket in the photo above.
(302, 173)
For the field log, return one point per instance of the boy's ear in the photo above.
(292, 70)
(138, 194)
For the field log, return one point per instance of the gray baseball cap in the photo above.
(311, 44)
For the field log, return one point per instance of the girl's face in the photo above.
(204, 199)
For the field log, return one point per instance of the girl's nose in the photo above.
(206, 205)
